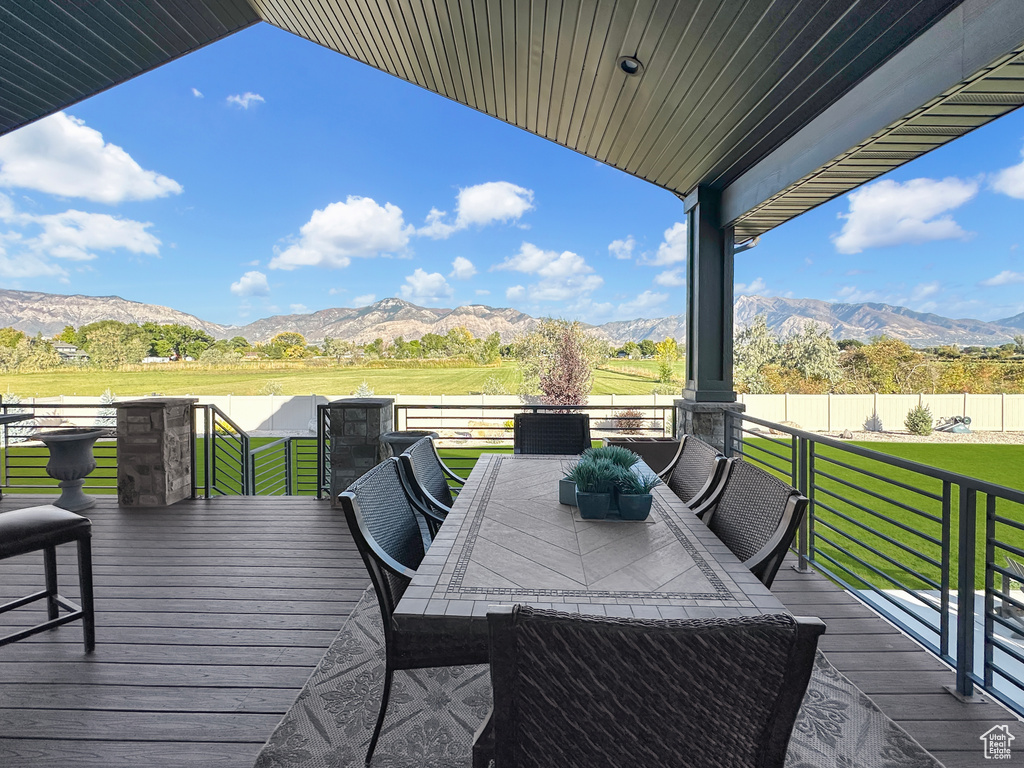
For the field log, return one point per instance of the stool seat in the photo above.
(23, 531)
(31, 529)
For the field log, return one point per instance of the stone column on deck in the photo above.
(154, 451)
(356, 425)
(705, 421)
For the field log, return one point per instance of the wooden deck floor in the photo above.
(212, 614)
(210, 617)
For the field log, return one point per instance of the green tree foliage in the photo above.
(177, 341)
(647, 348)
(754, 348)
(886, 366)
(540, 352)
(10, 338)
(807, 361)
(667, 352)
(112, 344)
(919, 421)
(20, 354)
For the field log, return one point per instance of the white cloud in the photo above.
(462, 269)
(515, 292)
(362, 301)
(342, 231)
(564, 275)
(25, 264)
(922, 291)
(1006, 277)
(673, 247)
(252, 283)
(245, 100)
(671, 278)
(622, 249)
(642, 303)
(1010, 181)
(197, 93)
(76, 235)
(889, 213)
(756, 287)
(426, 288)
(298, 309)
(73, 235)
(482, 292)
(60, 155)
(481, 205)
(854, 295)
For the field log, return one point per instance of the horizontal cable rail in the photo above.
(938, 553)
(485, 425)
(23, 467)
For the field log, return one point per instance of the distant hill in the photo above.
(48, 313)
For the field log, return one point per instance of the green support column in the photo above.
(709, 301)
(708, 395)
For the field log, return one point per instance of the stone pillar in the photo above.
(705, 421)
(356, 426)
(154, 451)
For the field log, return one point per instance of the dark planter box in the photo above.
(657, 452)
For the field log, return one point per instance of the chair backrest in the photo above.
(386, 533)
(756, 516)
(423, 466)
(572, 690)
(562, 434)
(695, 471)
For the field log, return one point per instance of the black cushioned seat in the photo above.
(44, 528)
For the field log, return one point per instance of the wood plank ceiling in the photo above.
(723, 83)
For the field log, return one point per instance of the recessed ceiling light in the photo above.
(630, 65)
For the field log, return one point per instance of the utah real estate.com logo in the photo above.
(997, 742)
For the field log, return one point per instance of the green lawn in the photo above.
(889, 509)
(190, 379)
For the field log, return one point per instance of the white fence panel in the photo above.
(986, 412)
(768, 407)
(944, 406)
(1013, 412)
(810, 412)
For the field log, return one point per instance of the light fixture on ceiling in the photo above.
(631, 65)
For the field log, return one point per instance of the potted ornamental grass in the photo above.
(616, 454)
(567, 487)
(635, 497)
(596, 479)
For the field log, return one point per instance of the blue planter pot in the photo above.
(566, 492)
(635, 506)
(593, 506)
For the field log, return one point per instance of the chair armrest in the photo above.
(667, 471)
(483, 742)
(707, 506)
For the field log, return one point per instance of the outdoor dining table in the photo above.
(508, 540)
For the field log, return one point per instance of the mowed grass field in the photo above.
(625, 377)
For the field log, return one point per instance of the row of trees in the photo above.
(811, 362)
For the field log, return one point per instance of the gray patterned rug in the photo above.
(434, 713)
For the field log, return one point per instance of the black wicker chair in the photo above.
(756, 515)
(381, 516)
(563, 434)
(579, 691)
(430, 480)
(696, 471)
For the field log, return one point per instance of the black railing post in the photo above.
(208, 451)
(965, 591)
(800, 481)
(947, 544)
(729, 427)
(288, 468)
(192, 437)
(990, 556)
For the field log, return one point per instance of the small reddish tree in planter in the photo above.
(570, 377)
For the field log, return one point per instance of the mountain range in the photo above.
(48, 313)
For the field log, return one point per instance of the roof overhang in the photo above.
(779, 104)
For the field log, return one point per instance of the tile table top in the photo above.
(508, 540)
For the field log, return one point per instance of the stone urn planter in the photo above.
(71, 461)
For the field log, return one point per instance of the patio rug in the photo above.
(434, 713)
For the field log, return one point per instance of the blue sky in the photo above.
(266, 175)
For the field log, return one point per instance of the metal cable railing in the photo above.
(23, 466)
(906, 538)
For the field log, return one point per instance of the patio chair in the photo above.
(563, 434)
(430, 478)
(380, 514)
(756, 515)
(44, 528)
(696, 472)
(579, 691)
